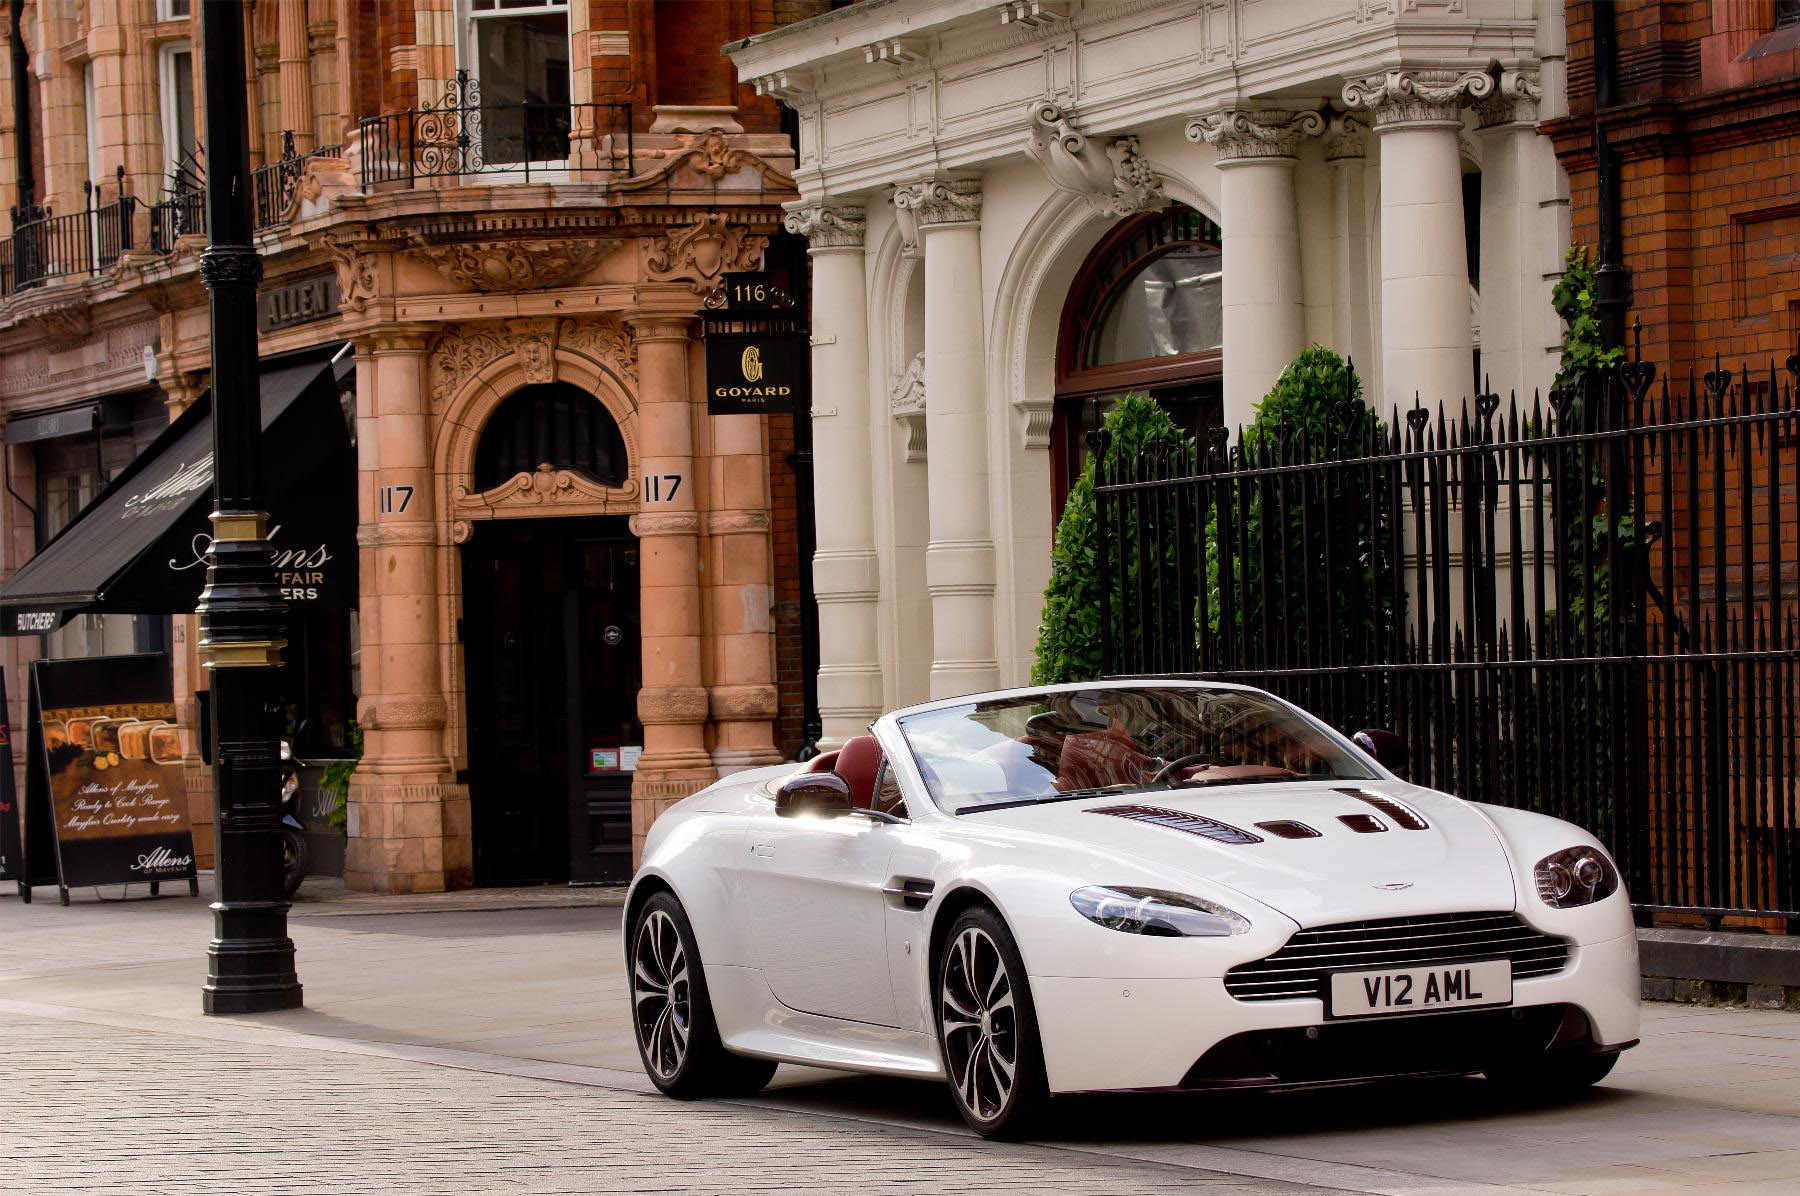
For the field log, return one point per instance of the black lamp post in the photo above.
(250, 962)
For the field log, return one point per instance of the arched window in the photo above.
(1142, 316)
(553, 424)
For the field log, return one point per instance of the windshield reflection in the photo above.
(1091, 741)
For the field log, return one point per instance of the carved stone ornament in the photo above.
(605, 340)
(826, 225)
(461, 352)
(1513, 102)
(544, 486)
(743, 703)
(708, 157)
(1108, 172)
(516, 265)
(907, 402)
(1417, 97)
(1243, 134)
(732, 523)
(357, 279)
(403, 714)
(701, 252)
(673, 704)
(934, 201)
(1344, 137)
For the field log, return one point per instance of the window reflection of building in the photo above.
(1142, 317)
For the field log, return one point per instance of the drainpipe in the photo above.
(1612, 282)
(21, 104)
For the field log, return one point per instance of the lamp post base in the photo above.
(250, 961)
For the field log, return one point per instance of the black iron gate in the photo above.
(1588, 607)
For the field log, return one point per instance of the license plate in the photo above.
(1421, 990)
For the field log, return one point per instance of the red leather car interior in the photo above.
(857, 762)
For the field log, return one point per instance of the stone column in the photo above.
(1351, 331)
(742, 698)
(945, 214)
(408, 819)
(295, 76)
(1263, 293)
(673, 702)
(1425, 342)
(1514, 260)
(846, 580)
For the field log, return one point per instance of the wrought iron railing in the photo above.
(176, 215)
(461, 135)
(274, 185)
(1589, 608)
(45, 246)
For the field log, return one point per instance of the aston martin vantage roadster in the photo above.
(1122, 885)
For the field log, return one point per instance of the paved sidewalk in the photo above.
(480, 1016)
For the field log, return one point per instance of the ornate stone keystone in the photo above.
(1108, 172)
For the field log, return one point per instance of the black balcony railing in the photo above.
(177, 215)
(461, 135)
(45, 246)
(274, 185)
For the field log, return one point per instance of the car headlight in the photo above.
(1156, 912)
(1574, 877)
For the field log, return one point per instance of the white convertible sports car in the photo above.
(1120, 885)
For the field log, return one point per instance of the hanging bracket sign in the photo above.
(757, 357)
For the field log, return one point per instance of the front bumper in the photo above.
(1110, 1034)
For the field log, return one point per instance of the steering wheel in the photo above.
(1177, 764)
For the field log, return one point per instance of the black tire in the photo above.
(1547, 1079)
(986, 1021)
(671, 1011)
(293, 860)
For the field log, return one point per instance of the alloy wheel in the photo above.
(660, 994)
(981, 1024)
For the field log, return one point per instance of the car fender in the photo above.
(1528, 837)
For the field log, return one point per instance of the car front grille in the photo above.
(1303, 967)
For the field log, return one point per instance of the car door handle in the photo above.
(762, 849)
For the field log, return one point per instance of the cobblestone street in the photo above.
(475, 1043)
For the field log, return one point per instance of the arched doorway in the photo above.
(550, 631)
(1142, 316)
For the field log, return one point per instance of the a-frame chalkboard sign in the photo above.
(104, 795)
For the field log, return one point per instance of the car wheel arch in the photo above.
(954, 904)
(647, 887)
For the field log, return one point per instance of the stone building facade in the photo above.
(501, 223)
(1018, 211)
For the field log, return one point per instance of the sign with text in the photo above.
(286, 304)
(749, 373)
(110, 764)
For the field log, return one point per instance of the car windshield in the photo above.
(1072, 743)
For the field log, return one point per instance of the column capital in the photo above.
(930, 203)
(827, 224)
(1417, 98)
(1344, 136)
(1254, 134)
(660, 326)
(1513, 103)
(398, 338)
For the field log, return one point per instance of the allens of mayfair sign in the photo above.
(756, 350)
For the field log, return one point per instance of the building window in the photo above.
(518, 51)
(553, 424)
(1142, 316)
(181, 142)
(1787, 12)
(174, 10)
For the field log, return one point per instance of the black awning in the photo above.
(139, 547)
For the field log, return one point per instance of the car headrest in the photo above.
(857, 762)
(824, 762)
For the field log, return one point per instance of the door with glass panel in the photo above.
(517, 53)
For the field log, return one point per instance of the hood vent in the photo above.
(1287, 828)
(1177, 820)
(1363, 824)
(1405, 816)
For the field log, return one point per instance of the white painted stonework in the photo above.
(977, 151)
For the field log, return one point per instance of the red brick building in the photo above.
(1706, 120)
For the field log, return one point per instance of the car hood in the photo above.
(1455, 863)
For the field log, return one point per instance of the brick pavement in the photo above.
(99, 1109)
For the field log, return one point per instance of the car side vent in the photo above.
(1177, 820)
(1405, 816)
(1363, 824)
(1287, 828)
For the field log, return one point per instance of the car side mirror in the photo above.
(1388, 749)
(813, 793)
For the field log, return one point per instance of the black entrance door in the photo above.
(551, 649)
